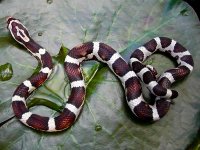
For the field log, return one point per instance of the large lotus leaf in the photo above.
(106, 122)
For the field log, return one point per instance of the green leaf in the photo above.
(6, 72)
(60, 57)
(106, 122)
(44, 102)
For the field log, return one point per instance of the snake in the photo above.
(130, 74)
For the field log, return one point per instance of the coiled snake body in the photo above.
(106, 54)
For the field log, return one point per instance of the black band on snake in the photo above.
(101, 52)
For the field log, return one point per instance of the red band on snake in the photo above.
(103, 53)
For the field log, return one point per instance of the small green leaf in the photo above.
(44, 102)
(37, 69)
(90, 70)
(60, 57)
(6, 72)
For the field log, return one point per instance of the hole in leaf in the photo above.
(49, 1)
(98, 127)
(6, 72)
(40, 34)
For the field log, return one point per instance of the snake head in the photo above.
(18, 30)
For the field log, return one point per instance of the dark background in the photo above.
(196, 6)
